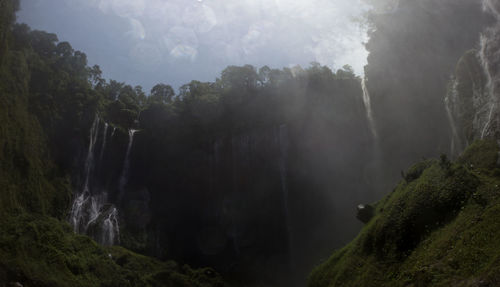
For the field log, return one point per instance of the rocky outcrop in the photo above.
(473, 99)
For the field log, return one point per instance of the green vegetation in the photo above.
(440, 227)
(49, 97)
(46, 90)
(43, 251)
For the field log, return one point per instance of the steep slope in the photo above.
(439, 227)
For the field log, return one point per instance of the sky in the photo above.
(145, 42)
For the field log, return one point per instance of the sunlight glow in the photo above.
(241, 31)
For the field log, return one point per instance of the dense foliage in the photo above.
(42, 251)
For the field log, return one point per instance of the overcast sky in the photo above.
(144, 42)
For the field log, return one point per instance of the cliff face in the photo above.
(472, 99)
(413, 52)
(258, 201)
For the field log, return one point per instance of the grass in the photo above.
(439, 227)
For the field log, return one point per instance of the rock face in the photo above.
(413, 51)
(473, 99)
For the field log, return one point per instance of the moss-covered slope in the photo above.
(42, 251)
(439, 227)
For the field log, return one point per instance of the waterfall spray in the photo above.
(111, 228)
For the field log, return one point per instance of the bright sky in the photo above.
(144, 42)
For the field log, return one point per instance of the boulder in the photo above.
(365, 213)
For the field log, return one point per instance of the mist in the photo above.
(216, 143)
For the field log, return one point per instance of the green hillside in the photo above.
(439, 227)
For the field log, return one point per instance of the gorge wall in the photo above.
(259, 198)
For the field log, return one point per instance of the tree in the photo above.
(161, 93)
(95, 77)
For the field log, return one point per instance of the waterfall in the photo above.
(451, 105)
(488, 6)
(90, 211)
(472, 102)
(368, 108)
(113, 132)
(486, 105)
(89, 161)
(111, 228)
(105, 133)
(78, 214)
(283, 146)
(490, 88)
(126, 164)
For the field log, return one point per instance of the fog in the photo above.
(286, 115)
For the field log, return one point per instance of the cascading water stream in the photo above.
(77, 215)
(490, 88)
(89, 161)
(126, 165)
(487, 106)
(89, 214)
(105, 133)
(373, 167)
(490, 7)
(111, 228)
(450, 103)
(475, 113)
(368, 108)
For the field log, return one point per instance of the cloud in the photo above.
(247, 31)
(200, 17)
